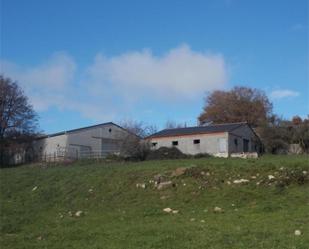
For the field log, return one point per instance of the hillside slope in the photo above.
(117, 205)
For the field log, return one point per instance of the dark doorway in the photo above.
(246, 145)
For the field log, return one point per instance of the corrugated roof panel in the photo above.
(197, 130)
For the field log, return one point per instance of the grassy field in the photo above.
(39, 204)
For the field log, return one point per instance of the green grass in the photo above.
(117, 214)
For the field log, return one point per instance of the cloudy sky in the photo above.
(84, 62)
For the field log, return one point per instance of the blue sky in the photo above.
(85, 62)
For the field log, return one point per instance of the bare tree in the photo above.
(134, 146)
(18, 120)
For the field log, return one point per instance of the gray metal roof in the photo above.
(197, 130)
(80, 129)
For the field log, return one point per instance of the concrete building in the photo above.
(93, 141)
(218, 140)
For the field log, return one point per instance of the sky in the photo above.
(87, 62)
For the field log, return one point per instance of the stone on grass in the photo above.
(192, 219)
(79, 213)
(167, 210)
(164, 185)
(271, 177)
(179, 172)
(141, 185)
(218, 210)
(203, 221)
(240, 181)
(157, 178)
(175, 211)
(35, 188)
(297, 232)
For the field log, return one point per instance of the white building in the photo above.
(93, 141)
(219, 140)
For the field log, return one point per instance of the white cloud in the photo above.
(283, 93)
(180, 73)
(46, 84)
(112, 86)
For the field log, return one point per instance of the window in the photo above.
(236, 142)
(110, 130)
(154, 144)
(175, 143)
(196, 141)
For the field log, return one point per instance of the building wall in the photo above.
(50, 145)
(103, 139)
(209, 143)
(99, 140)
(239, 134)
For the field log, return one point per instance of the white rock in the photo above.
(141, 185)
(240, 181)
(270, 177)
(192, 219)
(175, 211)
(78, 213)
(305, 172)
(203, 221)
(228, 182)
(218, 210)
(164, 185)
(167, 210)
(35, 188)
(297, 232)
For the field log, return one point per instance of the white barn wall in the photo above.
(84, 141)
(50, 145)
(209, 143)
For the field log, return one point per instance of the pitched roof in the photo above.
(83, 128)
(197, 130)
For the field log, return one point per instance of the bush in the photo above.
(165, 153)
(202, 155)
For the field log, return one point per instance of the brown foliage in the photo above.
(241, 104)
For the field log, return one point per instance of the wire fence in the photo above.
(74, 154)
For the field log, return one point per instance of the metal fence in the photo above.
(71, 154)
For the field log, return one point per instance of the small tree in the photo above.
(134, 146)
(18, 120)
(241, 104)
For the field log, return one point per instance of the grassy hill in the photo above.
(39, 204)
